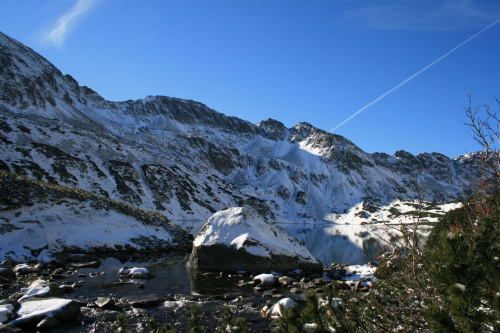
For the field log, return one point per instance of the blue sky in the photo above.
(318, 61)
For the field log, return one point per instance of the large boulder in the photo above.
(240, 239)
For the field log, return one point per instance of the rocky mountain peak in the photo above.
(403, 154)
(325, 143)
(18, 58)
(275, 129)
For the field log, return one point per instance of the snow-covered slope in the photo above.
(36, 215)
(59, 227)
(187, 161)
(396, 212)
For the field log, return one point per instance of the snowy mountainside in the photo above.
(187, 161)
(396, 212)
(36, 215)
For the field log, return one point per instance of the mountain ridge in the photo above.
(186, 160)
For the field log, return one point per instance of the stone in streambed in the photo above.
(141, 301)
(135, 273)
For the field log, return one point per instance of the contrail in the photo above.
(415, 75)
(57, 35)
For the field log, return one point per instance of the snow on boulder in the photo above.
(284, 303)
(49, 256)
(240, 239)
(268, 280)
(24, 269)
(38, 288)
(34, 311)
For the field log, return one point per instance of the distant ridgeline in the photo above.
(187, 161)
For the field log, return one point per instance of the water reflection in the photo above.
(208, 283)
(346, 244)
(335, 243)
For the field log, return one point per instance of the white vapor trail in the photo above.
(57, 35)
(415, 75)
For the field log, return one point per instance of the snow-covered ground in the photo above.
(397, 212)
(69, 224)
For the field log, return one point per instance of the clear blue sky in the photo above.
(318, 61)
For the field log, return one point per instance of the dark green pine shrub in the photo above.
(231, 324)
(348, 316)
(119, 326)
(290, 322)
(154, 327)
(312, 313)
(194, 320)
(464, 252)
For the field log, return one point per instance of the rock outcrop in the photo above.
(240, 239)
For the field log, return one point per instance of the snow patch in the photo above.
(285, 303)
(43, 307)
(6, 312)
(266, 279)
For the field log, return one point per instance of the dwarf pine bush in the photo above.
(120, 325)
(154, 327)
(465, 268)
(231, 324)
(194, 320)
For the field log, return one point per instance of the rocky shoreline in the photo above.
(74, 309)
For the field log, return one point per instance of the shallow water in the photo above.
(343, 244)
(169, 277)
